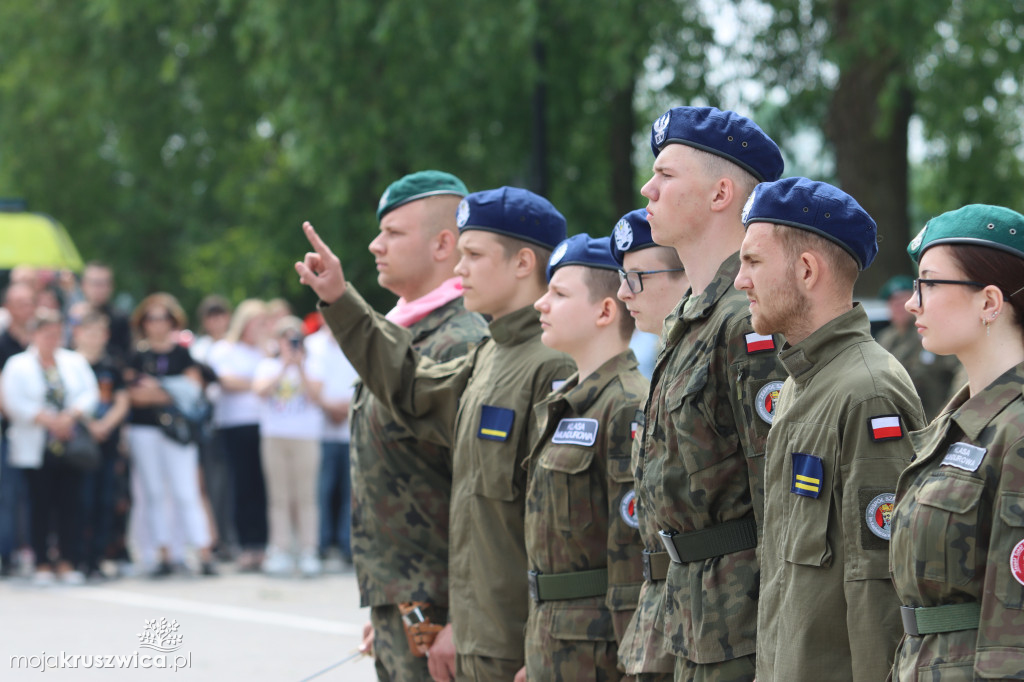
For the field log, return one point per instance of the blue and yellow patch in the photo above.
(495, 422)
(808, 475)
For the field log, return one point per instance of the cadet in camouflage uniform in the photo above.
(652, 283)
(933, 375)
(710, 403)
(957, 550)
(837, 444)
(581, 539)
(402, 486)
(480, 405)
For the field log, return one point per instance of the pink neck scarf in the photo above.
(407, 313)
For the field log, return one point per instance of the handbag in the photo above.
(81, 452)
(176, 425)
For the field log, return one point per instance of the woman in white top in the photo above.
(46, 390)
(290, 424)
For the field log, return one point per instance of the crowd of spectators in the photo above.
(132, 445)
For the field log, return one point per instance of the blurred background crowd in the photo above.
(224, 444)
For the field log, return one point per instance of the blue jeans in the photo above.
(14, 509)
(98, 491)
(335, 477)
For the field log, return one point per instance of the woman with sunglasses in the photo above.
(957, 547)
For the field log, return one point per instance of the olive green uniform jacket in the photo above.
(700, 466)
(933, 375)
(839, 442)
(580, 517)
(958, 536)
(401, 486)
(481, 406)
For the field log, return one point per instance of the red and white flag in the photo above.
(886, 427)
(758, 342)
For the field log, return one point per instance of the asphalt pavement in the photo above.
(230, 627)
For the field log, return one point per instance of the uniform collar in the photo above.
(803, 360)
(696, 307)
(435, 318)
(581, 395)
(516, 327)
(976, 412)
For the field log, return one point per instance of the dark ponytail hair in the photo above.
(999, 268)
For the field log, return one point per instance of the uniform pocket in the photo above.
(696, 416)
(1008, 588)
(495, 446)
(808, 505)
(568, 482)
(945, 528)
(582, 623)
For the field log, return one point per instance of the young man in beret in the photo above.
(581, 539)
(480, 405)
(838, 444)
(699, 474)
(401, 485)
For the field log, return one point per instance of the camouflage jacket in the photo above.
(401, 486)
(579, 503)
(480, 405)
(958, 535)
(836, 448)
(933, 375)
(701, 464)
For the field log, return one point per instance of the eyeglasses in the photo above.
(919, 281)
(634, 278)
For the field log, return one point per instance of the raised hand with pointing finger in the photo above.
(321, 270)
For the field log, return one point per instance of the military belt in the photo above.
(655, 565)
(927, 620)
(561, 586)
(725, 538)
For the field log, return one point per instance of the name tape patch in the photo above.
(575, 432)
(495, 422)
(808, 474)
(964, 456)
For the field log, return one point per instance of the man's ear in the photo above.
(443, 246)
(525, 262)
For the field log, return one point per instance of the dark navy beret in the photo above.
(996, 227)
(419, 185)
(582, 249)
(724, 133)
(513, 212)
(631, 233)
(817, 207)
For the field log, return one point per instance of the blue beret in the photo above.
(724, 133)
(419, 185)
(817, 207)
(975, 224)
(582, 249)
(513, 212)
(631, 233)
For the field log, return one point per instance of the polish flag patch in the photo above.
(632, 430)
(759, 342)
(885, 427)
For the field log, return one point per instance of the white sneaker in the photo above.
(72, 578)
(278, 563)
(309, 564)
(42, 578)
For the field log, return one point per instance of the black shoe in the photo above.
(208, 568)
(163, 570)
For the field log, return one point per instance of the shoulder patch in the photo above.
(495, 422)
(627, 510)
(964, 456)
(766, 400)
(878, 515)
(885, 427)
(808, 475)
(1017, 562)
(757, 343)
(575, 432)
(633, 427)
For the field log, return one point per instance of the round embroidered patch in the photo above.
(1017, 562)
(627, 508)
(878, 515)
(559, 253)
(623, 235)
(462, 214)
(767, 399)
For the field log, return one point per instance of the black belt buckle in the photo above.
(909, 615)
(645, 557)
(668, 539)
(531, 578)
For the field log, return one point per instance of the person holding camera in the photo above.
(290, 424)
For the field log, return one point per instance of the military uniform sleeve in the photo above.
(625, 573)
(421, 394)
(874, 450)
(1000, 652)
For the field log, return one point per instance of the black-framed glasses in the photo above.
(634, 278)
(920, 280)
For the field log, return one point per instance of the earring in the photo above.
(985, 322)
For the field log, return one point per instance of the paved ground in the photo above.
(232, 627)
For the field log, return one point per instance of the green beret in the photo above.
(976, 224)
(415, 186)
(894, 285)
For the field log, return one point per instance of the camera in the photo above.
(295, 342)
